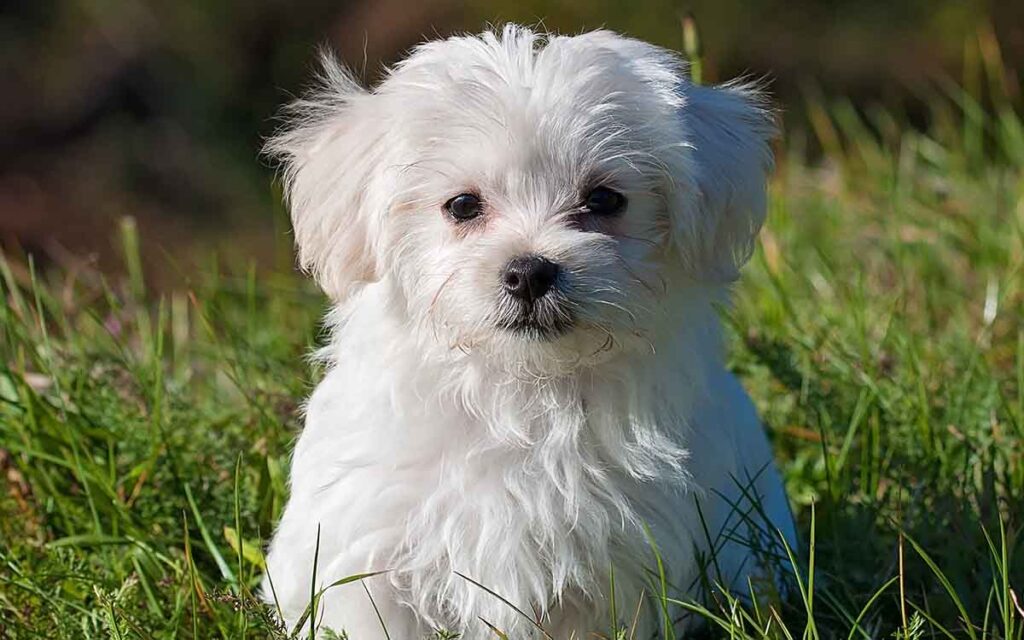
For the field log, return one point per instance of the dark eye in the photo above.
(603, 201)
(464, 206)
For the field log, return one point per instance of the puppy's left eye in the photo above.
(603, 201)
(464, 206)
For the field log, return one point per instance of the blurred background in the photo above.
(156, 110)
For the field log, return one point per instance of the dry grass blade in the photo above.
(522, 613)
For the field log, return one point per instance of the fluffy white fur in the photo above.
(440, 444)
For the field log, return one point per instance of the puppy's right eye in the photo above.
(464, 206)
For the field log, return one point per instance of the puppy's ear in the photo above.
(728, 131)
(717, 152)
(331, 153)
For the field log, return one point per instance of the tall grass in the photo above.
(144, 436)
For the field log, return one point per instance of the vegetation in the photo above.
(144, 437)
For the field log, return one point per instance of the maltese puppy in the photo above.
(526, 426)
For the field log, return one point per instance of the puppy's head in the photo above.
(524, 194)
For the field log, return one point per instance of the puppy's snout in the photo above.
(529, 277)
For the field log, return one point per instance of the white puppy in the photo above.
(525, 238)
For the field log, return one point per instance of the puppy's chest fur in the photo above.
(534, 490)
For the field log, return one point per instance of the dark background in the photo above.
(156, 110)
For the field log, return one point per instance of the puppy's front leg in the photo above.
(352, 607)
(364, 610)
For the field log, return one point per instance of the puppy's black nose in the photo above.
(529, 277)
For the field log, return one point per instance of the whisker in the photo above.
(626, 311)
(437, 294)
(609, 341)
(639, 280)
(646, 241)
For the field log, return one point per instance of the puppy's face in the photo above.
(527, 196)
(533, 202)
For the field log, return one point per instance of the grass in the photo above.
(144, 438)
